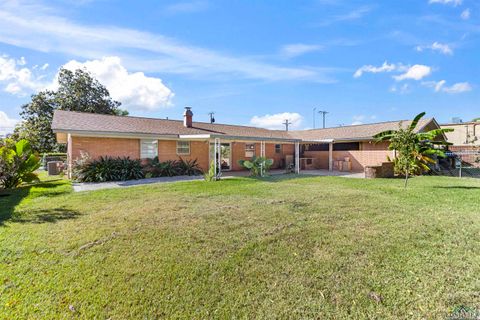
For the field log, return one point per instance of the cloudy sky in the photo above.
(251, 62)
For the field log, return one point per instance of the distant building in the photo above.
(464, 134)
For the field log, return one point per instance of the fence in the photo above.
(460, 162)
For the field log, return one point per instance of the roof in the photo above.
(69, 121)
(355, 132)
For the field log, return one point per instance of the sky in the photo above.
(251, 62)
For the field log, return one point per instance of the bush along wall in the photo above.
(121, 169)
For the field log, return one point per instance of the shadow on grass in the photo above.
(11, 198)
(458, 187)
(46, 216)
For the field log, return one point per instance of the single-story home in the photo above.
(342, 148)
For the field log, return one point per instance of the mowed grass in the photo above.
(279, 248)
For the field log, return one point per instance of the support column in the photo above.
(218, 162)
(297, 157)
(330, 156)
(262, 154)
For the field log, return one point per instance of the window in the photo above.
(249, 150)
(183, 147)
(148, 149)
(278, 148)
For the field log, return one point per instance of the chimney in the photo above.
(187, 117)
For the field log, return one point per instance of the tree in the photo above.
(415, 151)
(77, 91)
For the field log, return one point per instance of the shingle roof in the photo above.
(360, 132)
(65, 121)
(78, 121)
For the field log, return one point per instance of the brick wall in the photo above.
(369, 154)
(238, 153)
(97, 147)
(167, 150)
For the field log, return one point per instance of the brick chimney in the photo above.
(187, 117)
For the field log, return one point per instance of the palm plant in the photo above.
(415, 151)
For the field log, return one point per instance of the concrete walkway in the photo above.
(89, 186)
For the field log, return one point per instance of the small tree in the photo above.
(415, 151)
(258, 166)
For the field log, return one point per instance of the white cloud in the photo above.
(134, 90)
(275, 121)
(349, 16)
(33, 26)
(385, 67)
(465, 14)
(403, 89)
(440, 86)
(360, 119)
(17, 78)
(294, 50)
(7, 124)
(452, 2)
(436, 46)
(415, 72)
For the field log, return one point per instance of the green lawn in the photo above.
(310, 248)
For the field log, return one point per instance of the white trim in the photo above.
(189, 148)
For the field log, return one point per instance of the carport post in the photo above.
(330, 156)
(262, 154)
(297, 157)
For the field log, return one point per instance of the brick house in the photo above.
(140, 138)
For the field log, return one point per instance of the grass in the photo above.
(310, 248)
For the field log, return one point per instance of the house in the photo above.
(465, 139)
(343, 148)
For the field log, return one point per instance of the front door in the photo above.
(225, 155)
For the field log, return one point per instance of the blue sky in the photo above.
(251, 62)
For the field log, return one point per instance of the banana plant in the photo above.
(258, 166)
(416, 151)
(17, 164)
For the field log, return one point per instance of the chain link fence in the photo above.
(460, 163)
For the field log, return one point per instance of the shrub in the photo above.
(188, 167)
(17, 164)
(258, 166)
(108, 169)
(155, 168)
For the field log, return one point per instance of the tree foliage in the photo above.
(415, 151)
(77, 91)
(258, 166)
(17, 163)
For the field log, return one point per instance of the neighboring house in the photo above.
(466, 141)
(464, 134)
(141, 138)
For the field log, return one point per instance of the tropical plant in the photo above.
(188, 167)
(211, 174)
(17, 164)
(258, 166)
(415, 151)
(108, 169)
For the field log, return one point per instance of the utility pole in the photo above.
(323, 113)
(314, 109)
(286, 123)
(212, 119)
